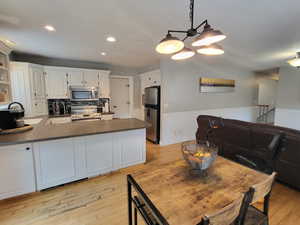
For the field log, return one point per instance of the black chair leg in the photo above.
(135, 216)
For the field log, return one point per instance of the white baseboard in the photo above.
(181, 126)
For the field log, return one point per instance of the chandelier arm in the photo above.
(186, 37)
(192, 13)
(203, 23)
(177, 31)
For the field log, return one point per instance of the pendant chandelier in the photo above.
(295, 62)
(205, 41)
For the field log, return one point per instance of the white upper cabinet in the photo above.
(75, 78)
(91, 78)
(152, 78)
(38, 81)
(56, 83)
(28, 87)
(104, 85)
(51, 82)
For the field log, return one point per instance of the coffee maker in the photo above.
(12, 117)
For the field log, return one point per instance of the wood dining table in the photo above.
(171, 195)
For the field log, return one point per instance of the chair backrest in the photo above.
(262, 189)
(226, 215)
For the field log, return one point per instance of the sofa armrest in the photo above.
(274, 146)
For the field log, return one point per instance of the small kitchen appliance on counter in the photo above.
(85, 110)
(12, 119)
(105, 105)
(59, 107)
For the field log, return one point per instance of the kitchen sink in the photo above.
(61, 120)
(33, 121)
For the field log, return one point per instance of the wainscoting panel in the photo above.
(287, 118)
(181, 126)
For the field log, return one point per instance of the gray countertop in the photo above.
(43, 132)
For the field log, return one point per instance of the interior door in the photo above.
(119, 89)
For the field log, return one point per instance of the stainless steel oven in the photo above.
(82, 93)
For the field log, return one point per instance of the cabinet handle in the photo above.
(28, 148)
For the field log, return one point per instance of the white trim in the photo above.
(74, 68)
(130, 81)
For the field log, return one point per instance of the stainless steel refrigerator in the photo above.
(152, 113)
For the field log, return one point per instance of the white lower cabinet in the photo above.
(99, 154)
(129, 148)
(65, 160)
(17, 170)
(55, 162)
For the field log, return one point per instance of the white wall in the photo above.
(288, 98)
(267, 92)
(182, 102)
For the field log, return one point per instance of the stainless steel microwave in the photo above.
(82, 93)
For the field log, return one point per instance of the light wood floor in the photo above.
(102, 200)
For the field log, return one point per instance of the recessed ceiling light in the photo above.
(49, 28)
(111, 39)
(103, 53)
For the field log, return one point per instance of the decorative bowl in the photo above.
(199, 156)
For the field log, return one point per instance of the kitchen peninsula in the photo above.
(55, 154)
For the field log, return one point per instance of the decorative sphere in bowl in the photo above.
(199, 156)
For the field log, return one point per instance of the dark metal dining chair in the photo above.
(226, 216)
(249, 214)
(265, 164)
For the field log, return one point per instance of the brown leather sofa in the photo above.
(260, 146)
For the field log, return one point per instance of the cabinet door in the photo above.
(154, 78)
(17, 171)
(75, 78)
(38, 82)
(129, 148)
(56, 83)
(91, 78)
(39, 107)
(99, 155)
(104, 86)
(19, 88)
(55, 162)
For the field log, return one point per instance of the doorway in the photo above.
(121, 95)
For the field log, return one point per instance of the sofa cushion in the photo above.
(236, 134)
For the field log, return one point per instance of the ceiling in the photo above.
(261, 33)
